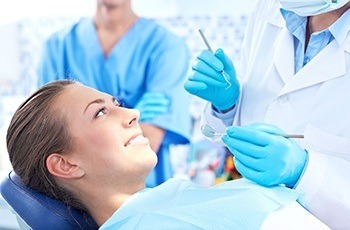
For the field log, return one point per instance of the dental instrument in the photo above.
(211, 50)
(209, 131)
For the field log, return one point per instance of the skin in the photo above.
(104, 168)
(322, 21)
(113, 18)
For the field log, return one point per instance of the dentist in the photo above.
(294, 76)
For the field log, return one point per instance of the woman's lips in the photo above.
(137, 140)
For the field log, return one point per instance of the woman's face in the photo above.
(107, 139)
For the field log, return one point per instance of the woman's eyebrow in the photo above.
(98, 101)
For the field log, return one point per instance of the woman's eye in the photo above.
(100, 112)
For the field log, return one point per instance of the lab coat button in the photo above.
(284, 98)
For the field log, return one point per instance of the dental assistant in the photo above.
(294, 78)
(134, 59)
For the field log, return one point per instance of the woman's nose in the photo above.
(133, 116)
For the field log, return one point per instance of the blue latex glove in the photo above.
(151, 104)
(263, 157)
(206, 81)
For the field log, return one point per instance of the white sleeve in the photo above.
(326, 185)
(292, 216)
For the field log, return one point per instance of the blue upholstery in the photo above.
(40, 211)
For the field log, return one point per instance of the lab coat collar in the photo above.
(284, 48)
(284, 55)
(273, 14)
(341, 28)
(346, 43)
(317, 70)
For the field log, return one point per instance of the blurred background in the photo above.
(25, 24)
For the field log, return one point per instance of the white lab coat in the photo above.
(315, 102)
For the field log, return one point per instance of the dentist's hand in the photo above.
(206, 81)
(152, 104)
(263, 157)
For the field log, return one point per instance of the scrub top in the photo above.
(181, 204)
(148, 58)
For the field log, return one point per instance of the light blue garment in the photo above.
(147, 58)
(312, 7)
(180, 204)
(151, 105)
(297, 26)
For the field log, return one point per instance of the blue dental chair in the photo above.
(38, 211)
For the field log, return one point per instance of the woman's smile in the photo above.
(138, 139)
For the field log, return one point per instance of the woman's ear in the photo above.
(58, 165)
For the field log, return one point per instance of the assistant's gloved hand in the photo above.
(151, 104)
(206, 81)
(263, 157)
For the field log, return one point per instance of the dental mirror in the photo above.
(209, 131)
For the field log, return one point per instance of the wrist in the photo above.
(230, 103)
(300, 171)
(223, 110)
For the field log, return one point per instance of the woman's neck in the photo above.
(102, 207)
(102, 200)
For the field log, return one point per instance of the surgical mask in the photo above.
(312, 7)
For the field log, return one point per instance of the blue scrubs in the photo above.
(180, 204)
(147, 58)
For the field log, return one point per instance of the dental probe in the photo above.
(211, 50)
(209, 131)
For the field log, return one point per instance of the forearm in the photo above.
(154, 134)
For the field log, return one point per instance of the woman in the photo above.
(134, 59)
(78, 145)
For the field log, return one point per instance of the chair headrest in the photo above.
(40, 211)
